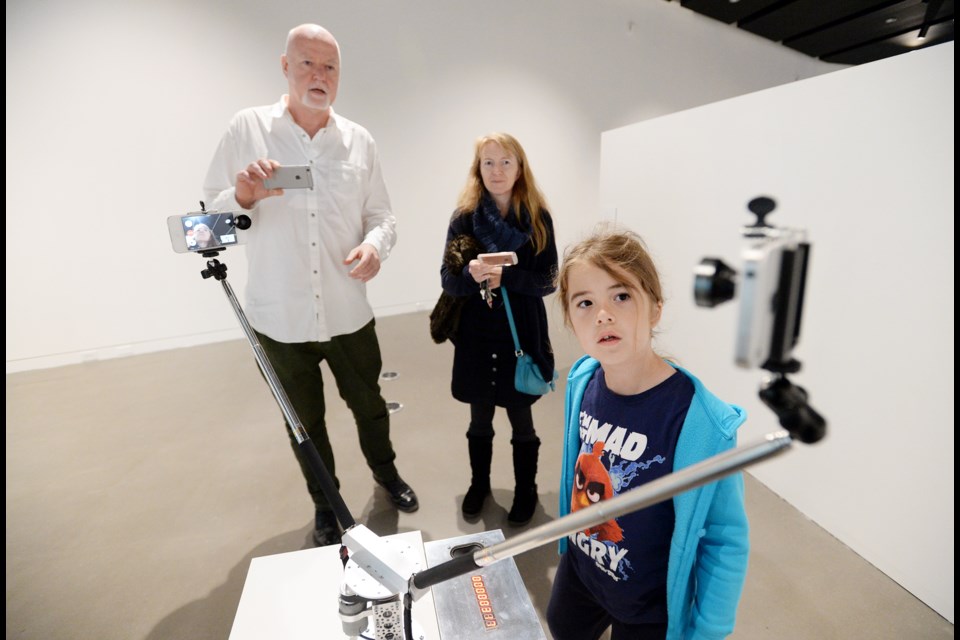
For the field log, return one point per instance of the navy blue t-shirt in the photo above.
(626, 441)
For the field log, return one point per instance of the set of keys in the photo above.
(486, 293)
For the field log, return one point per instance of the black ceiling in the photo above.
(840, 31)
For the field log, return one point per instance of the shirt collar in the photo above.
(281, 112)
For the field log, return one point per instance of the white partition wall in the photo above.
(862, 159)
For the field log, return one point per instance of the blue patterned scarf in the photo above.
(494, 232)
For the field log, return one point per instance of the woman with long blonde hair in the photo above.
(500, 209)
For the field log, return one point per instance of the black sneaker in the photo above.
(326, 531)
(401, 495)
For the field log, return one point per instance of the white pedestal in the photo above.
(294, 596)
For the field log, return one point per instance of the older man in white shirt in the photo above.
(310, 253)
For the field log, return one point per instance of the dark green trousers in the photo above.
(355, 362)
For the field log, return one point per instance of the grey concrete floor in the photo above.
(139, 489)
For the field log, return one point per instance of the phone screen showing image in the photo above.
(210, 231)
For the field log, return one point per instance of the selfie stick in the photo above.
(362, 552)
(218, 270)
(643, 496)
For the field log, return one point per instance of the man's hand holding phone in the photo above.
(264, 178)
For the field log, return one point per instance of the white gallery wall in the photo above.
(114, 109)
(863, 159)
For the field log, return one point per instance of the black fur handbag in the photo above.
(445, 317)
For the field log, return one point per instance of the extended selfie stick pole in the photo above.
(218, 270)
(365, 545)
(643, 496)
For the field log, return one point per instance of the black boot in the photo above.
(525, 456)
(481, 453)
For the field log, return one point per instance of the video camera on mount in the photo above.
(771, 289)
(771, 304)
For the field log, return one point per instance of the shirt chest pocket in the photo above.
(341, 185)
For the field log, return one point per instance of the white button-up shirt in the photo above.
(298, 289)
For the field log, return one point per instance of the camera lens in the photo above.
(713, 282)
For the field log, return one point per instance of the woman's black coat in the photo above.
(484, 361)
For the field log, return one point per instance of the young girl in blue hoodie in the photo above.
(675, 569)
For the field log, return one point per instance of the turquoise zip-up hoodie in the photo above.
(709, 547)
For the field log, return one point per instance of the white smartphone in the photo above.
(499, 259)
(771, 300)
(203, 231)
(761, 275)
(290, 177)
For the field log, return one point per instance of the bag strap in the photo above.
(513, 328)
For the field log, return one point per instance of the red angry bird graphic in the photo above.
(591, 484)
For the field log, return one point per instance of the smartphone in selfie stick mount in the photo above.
(380, 609)
(772, 287)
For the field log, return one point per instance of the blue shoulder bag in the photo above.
(527, 378)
